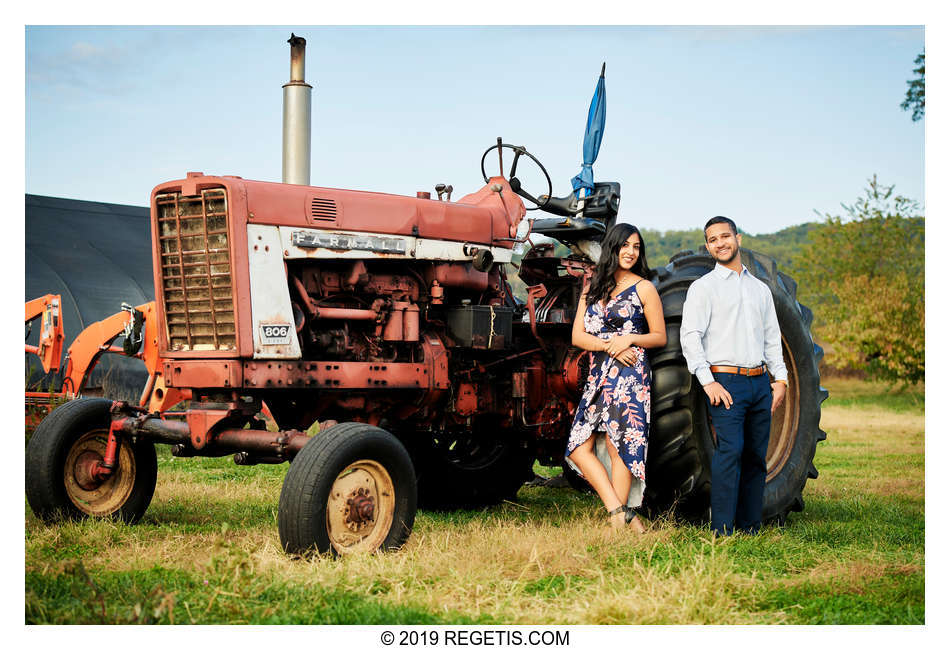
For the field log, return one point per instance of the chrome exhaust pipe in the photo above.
(296, 151)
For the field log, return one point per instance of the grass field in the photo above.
(207, 551)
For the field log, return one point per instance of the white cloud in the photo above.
(82, 51)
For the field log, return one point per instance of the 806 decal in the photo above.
(275, 333)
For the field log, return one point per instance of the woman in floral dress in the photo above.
(618, 316)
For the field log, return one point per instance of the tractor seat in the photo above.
(570, 228)
(602, 203)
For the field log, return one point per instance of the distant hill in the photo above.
(782, 245)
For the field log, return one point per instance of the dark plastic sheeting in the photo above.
(96, 256)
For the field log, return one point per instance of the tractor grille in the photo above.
(196, 270)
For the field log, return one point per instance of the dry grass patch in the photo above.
(911, 488)
(211, 495)
(542, 574)
(488, 568)
(706, 591)
(865, 446)
(884, 429)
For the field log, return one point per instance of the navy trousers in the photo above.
(738, 463)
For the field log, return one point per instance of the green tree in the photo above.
(915, 91)
(663, 244)
(783, 245)
(863, 273)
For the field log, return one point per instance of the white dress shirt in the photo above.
(729, 320)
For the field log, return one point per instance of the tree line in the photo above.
(783, 245)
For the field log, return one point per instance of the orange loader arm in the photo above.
(50, 346)
(84, 353)
(89, 345)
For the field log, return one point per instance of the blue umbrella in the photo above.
(593, 134)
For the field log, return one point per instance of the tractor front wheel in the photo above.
(351, 489)
(64, 447)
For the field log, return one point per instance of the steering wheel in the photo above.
(512, 179)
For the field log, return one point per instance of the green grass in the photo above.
(159, 595)
(857, 393)
(896, 602)
(207, 552)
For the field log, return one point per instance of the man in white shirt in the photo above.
(729, 332)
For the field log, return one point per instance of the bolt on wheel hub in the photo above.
(361, 507)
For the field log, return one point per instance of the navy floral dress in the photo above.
(616, 399)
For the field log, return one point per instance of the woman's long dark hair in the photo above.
(603, 282)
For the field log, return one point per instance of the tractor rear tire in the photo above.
(681, 438)
(351, 489)
(78, 430)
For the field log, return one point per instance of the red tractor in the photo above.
(391, 321)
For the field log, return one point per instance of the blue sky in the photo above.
(765, 124)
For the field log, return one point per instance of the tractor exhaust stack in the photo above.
(296, 149)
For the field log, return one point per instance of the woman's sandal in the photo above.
(616, 511)
(633, 521)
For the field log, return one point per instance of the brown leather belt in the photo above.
(735, 370)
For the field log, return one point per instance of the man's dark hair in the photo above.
(721, 219)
